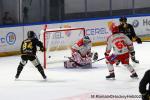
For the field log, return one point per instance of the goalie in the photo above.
(81, 54)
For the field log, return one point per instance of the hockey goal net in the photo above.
(57, 43)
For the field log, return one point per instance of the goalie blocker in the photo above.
(81, 54)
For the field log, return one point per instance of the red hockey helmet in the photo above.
(115, 29)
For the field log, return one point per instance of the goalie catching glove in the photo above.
(95, 56)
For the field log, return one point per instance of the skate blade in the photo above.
(117, 66)
(136, 62)
(16, 79)
(45, 80)
(111, 78)
(136, 78)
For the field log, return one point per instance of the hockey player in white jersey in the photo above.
(81, 54)
(122, 46)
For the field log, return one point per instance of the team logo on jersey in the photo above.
(11, 38)
(135, 23)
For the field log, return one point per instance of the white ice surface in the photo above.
(71, 84)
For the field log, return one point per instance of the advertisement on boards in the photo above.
(97, 30)
(10, 39)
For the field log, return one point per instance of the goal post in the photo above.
(57, 43)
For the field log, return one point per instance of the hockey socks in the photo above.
(19, 69)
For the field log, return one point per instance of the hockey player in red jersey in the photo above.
(81, 54)
(122, 46)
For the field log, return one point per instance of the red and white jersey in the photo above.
(84, 49)
(120, 44)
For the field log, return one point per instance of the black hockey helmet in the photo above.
(123, 19)
(31, 34)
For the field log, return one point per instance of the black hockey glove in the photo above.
(132, 53)
(42, 49)
(95, 57)
(106, 54)
(145, 96)
(138, 40)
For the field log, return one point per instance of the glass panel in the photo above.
(121, 4)
(142, 3)
(142, 6)
(122, 7)
(97, 5)
(74, 6)
(9, 12)
(31, 11)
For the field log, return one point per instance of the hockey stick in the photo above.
(98, 60)
(84, 64)
(112, 59)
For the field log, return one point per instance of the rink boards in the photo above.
(96, 29)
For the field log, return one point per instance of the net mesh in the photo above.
(57, 43)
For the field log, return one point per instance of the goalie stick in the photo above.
(98, 60)
(84, 64)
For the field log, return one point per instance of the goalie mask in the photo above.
(31, 34)
(86, 40)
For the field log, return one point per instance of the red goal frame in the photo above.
(57, 30)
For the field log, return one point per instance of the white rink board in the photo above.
(10, 39)
(96, 29)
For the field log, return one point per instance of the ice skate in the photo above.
(134, 76)
(17, 76)
(111, 76)
(44, 77)
(118, 62)
(135, 61)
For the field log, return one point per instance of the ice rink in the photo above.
(72, 84)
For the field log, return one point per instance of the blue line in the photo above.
(74, 20)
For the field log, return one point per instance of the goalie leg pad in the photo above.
(86, 60)
(70, 64)
(76, 57)
(88, 65)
